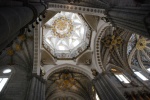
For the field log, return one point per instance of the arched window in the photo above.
(4, 77)
(120, 76)
(140, 75)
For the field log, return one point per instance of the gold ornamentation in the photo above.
(114, 70)
(112, 41)
(22, 37)
(66, 81)
(62, 27)
(17, 47)
(141, 44)
(10, 52)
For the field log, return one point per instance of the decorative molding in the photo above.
(97, 46)
(78, 9)
(69, 67)
(36, 48)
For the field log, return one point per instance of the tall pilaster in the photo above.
(105, 89)
(37, 89)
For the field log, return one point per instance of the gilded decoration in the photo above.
(112, 41)
(17, 47)
(10, 52)
(66, 81)
(141, 44)
(62, 27)
(22, 37)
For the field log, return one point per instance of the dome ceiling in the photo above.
(66, 35)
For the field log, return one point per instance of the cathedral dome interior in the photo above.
(74, 50)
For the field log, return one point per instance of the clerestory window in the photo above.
(120, 76)
(4, 77)
(140, 75)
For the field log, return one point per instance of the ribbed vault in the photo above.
(68, 83)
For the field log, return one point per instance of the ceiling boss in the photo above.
(62, 27)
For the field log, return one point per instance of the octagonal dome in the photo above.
(66, 35)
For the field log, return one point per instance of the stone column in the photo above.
(136, 19)
(105, 89)
(37, 89)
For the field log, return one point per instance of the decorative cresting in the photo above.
(66, 35)
(139, 52)
(112, 41)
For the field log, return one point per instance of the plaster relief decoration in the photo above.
(67, 82)
(66, 35)
(113, 48)
(112, 42)
(85, 58)
(139, 52)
